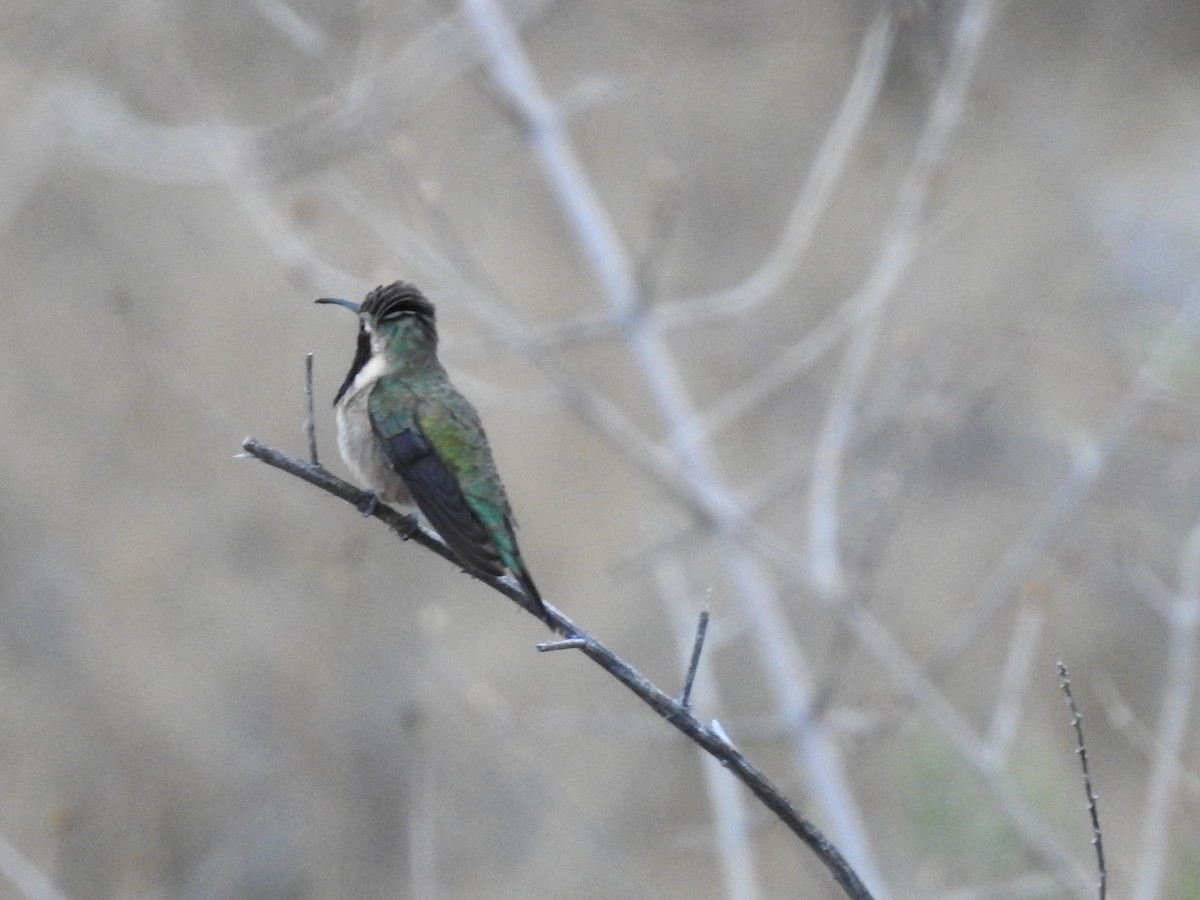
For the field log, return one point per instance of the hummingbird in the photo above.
(407, 433)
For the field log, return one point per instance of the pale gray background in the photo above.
(216, 682)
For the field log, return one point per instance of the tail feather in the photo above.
(538, 607)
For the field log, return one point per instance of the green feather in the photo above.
(424, 430)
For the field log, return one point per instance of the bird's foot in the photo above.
(368, 508)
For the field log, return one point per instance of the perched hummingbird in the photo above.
(408, 434)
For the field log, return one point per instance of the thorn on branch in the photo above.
(573, 643)
(719, 732)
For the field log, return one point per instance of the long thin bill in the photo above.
(350, 305)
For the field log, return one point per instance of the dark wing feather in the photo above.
(437, 494)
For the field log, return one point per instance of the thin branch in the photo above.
(685, 696)
(712, 739)
(1081, 749)
(310, 419)
(407, 527)
(728, 804)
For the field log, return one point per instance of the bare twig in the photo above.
(310, 419)
(730, 808)
(685, 696)
(1080, 748)
(712, 739)
(407, 527)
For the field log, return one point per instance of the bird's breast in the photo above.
(360, 447)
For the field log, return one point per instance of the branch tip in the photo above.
(685, 697)
(721, 734)
(1064, 680)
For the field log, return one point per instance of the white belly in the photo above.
(360, 447)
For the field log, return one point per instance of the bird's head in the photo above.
(390, 307)
(395, 322)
